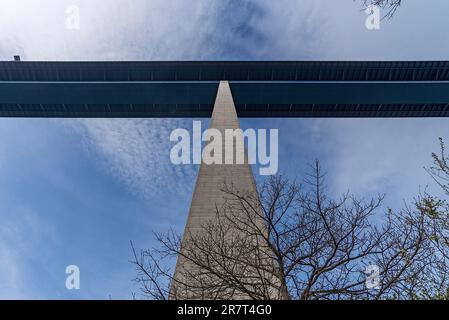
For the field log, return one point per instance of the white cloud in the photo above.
(204, 29)
(157, 29)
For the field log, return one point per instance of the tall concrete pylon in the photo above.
(208, 196)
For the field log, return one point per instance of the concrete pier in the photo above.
(208, 196)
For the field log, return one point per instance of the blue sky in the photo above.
(75, 191)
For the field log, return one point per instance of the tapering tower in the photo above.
(208, 196)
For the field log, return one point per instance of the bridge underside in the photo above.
(260, 89)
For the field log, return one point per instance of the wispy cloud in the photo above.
(385, 155)
(23, 234)
(10, 276)
(137, 151)
(371, 156)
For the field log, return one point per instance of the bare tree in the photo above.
(439, 171)
(434, 281)
(437, 208)
(308, 247)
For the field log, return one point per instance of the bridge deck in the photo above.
(260, 89)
